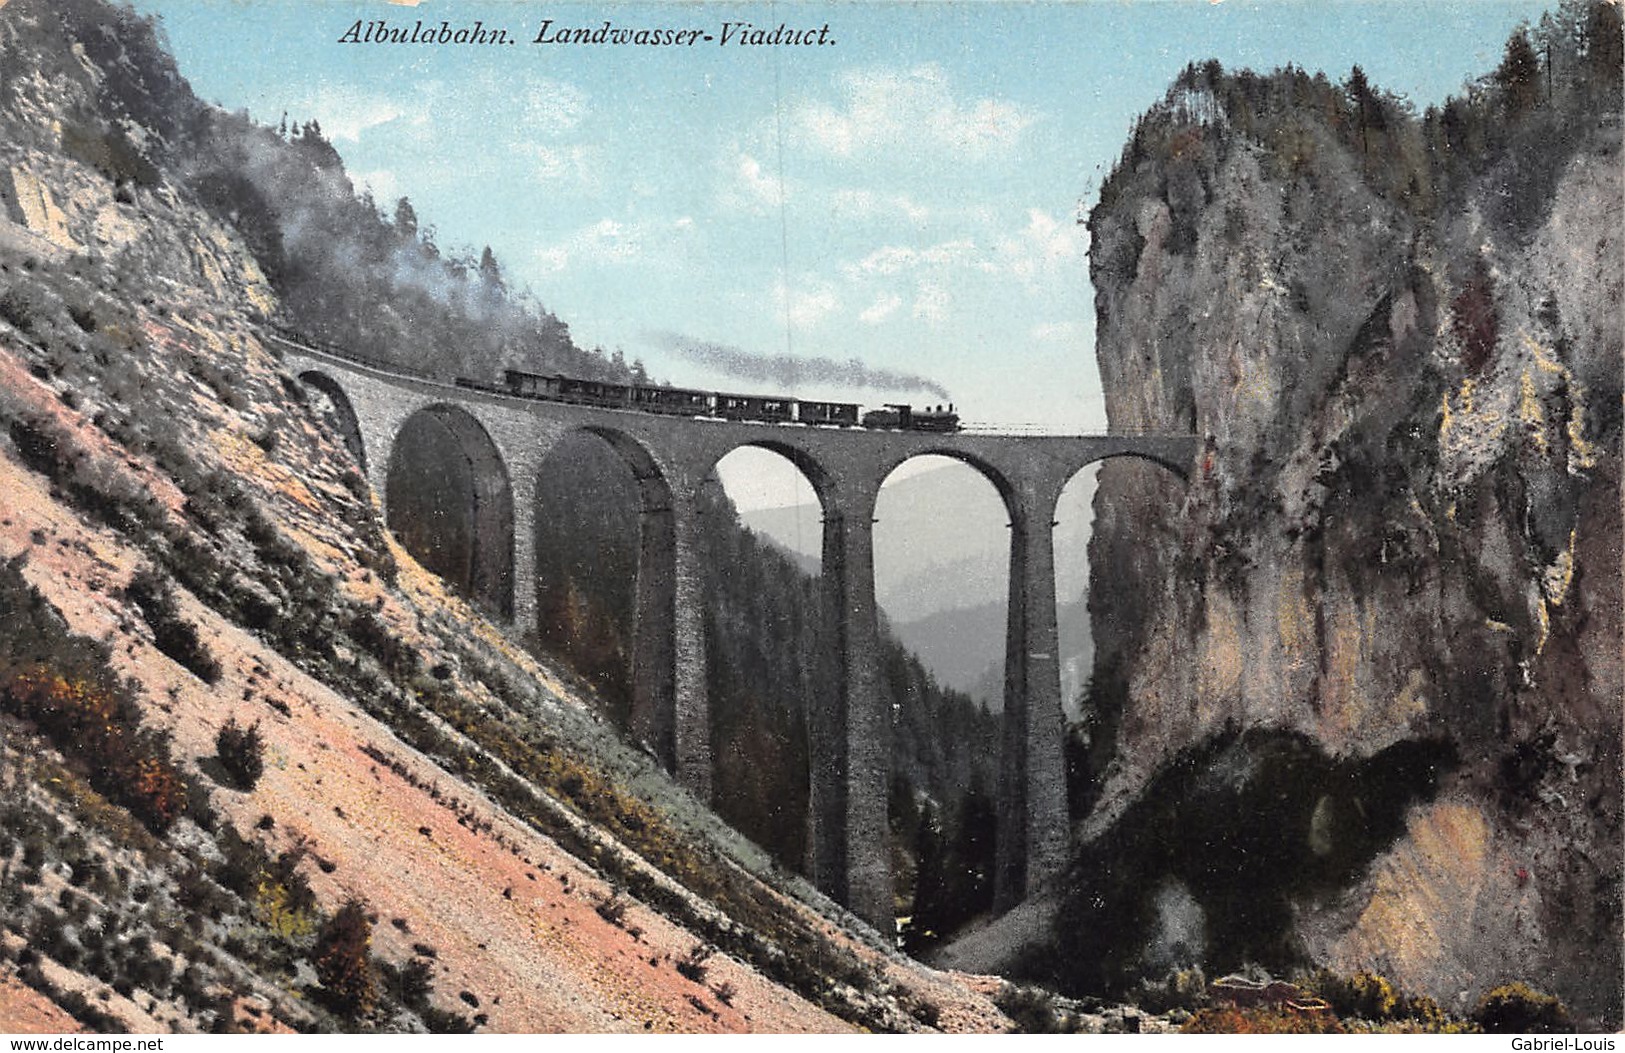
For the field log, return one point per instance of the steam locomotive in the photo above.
(687, 402)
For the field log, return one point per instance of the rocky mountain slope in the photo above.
(437, 833)
(1400, 336)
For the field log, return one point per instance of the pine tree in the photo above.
(406, 220)
(1518, 76)
(1546, 39)
(1605, 47)
(1359, 90)
(491, 270)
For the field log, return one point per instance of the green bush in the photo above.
(1516, 1008)
(17, 309)
(612, 909)
(174, 635)
(1180, 989)
(693, 966)
(1262, 1020)
(1033, 1010)
(1427, 1013)
(1364, 996)
(97, 721)
(342, 962)
(241, 752)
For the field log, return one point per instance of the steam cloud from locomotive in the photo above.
(789, 371)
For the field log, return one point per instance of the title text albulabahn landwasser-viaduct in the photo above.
(602, 33)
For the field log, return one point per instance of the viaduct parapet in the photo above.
(506, 439)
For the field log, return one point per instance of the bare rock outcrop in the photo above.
(1400, 340)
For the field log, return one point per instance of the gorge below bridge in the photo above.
(505, 440)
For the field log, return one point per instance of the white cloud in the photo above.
(1043, 247)
(574, 164)
(808, 308)
(761, 187)
(894, 259)
(888, 259)
(1053, 332)
(808, 304)
(538, 107)
(530, 105)
(908, 109)
(883, 308)
(552, 105)
(553, 259)
(931, 303)
(1026, 260)
(866, 204)
(613, 242)
(346, 113)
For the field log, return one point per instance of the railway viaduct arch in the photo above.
(670, 458)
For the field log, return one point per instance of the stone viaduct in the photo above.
(505, 440)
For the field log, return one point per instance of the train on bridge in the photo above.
(688, 402)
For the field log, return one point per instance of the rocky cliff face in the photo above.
(1400, 339)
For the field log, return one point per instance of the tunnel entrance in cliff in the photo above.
(449, 502)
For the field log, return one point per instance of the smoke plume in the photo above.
(787, 372)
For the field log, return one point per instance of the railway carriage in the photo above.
(684, 402)
(594, 392)
(531, 385)
(771, 409)
(841, 414)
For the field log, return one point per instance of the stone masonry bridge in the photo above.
(505, 440)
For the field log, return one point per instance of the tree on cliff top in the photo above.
(1551, 82)
(1518, 76)
(1367, 107)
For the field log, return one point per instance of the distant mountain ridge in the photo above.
(942, 579)
(963, 647)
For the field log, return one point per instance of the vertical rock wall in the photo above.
(1407, 524)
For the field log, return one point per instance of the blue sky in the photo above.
(907, 196)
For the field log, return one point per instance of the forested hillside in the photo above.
(365, 275)
(768, 666)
